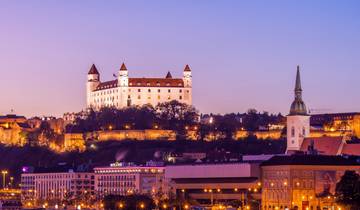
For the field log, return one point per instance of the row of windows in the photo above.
(111, 99)
(138, 90)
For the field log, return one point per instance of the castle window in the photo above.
(303, 131)
(158, 97)
(292, 132)
(187, 91)
(139, 97)
(169, 91)
(149, 97)
(169, 98)
(139, 90)
(149, 90)
(180, 97)
(158, 90)
(180, 91)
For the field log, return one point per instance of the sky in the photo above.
(243, 54)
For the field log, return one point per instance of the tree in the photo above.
(177, 116)
(348, 190)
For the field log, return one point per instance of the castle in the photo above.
(126, 91)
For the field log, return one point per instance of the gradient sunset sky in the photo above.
(243, 54)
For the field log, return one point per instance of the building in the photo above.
(127, 178)
(126, 91)
(298, 120)
(329, 146)
(13, 130)
(303, 181)
(344, 122)
(214, 183)
(43, 185)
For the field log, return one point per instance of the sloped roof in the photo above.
(351, 149)
(310, 160)
(168, 75)
(144, 82)
(187, 68)
(123, 67)
(93, 70)
(324, 145)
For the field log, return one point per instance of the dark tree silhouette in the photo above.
(348, 190)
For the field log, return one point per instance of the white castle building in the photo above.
(126, 91)
(298, 120)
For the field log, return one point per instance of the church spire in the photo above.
(298, 106)
(298, 81)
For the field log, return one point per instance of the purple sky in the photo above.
(243, 53)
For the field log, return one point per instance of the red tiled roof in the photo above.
(123, 67)
(93, 70)
(107, 85)
(324, 145)
(168, 75)
(187, 68)
(351, 149)
(144, 82)
(155, 82)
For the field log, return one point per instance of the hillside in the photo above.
(104, 153)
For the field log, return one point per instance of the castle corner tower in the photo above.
(298, 120)
(93, 80)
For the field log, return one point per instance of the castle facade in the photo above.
(126, 91)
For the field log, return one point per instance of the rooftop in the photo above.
(312, 160)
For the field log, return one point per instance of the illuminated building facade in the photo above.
(306, 182)
(44, 184)
(214, 183)
(126, 91)
(125, 179)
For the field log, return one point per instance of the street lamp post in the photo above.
(4, 173)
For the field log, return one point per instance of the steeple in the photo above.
(298, 81)
(298, 106)
(168, 75)
(123, 67)
(93, 70)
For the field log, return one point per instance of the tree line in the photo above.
(172, 115)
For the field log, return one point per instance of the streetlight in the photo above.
(121, 205)
(142, 205)
(164, 206)
(4, 173)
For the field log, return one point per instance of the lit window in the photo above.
(139, 97)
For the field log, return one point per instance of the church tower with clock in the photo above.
(298, 120)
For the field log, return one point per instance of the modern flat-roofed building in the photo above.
(303, 181)
(125, 178)
(59, 183)
(214, 183)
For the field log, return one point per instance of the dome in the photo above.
(298, 108)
